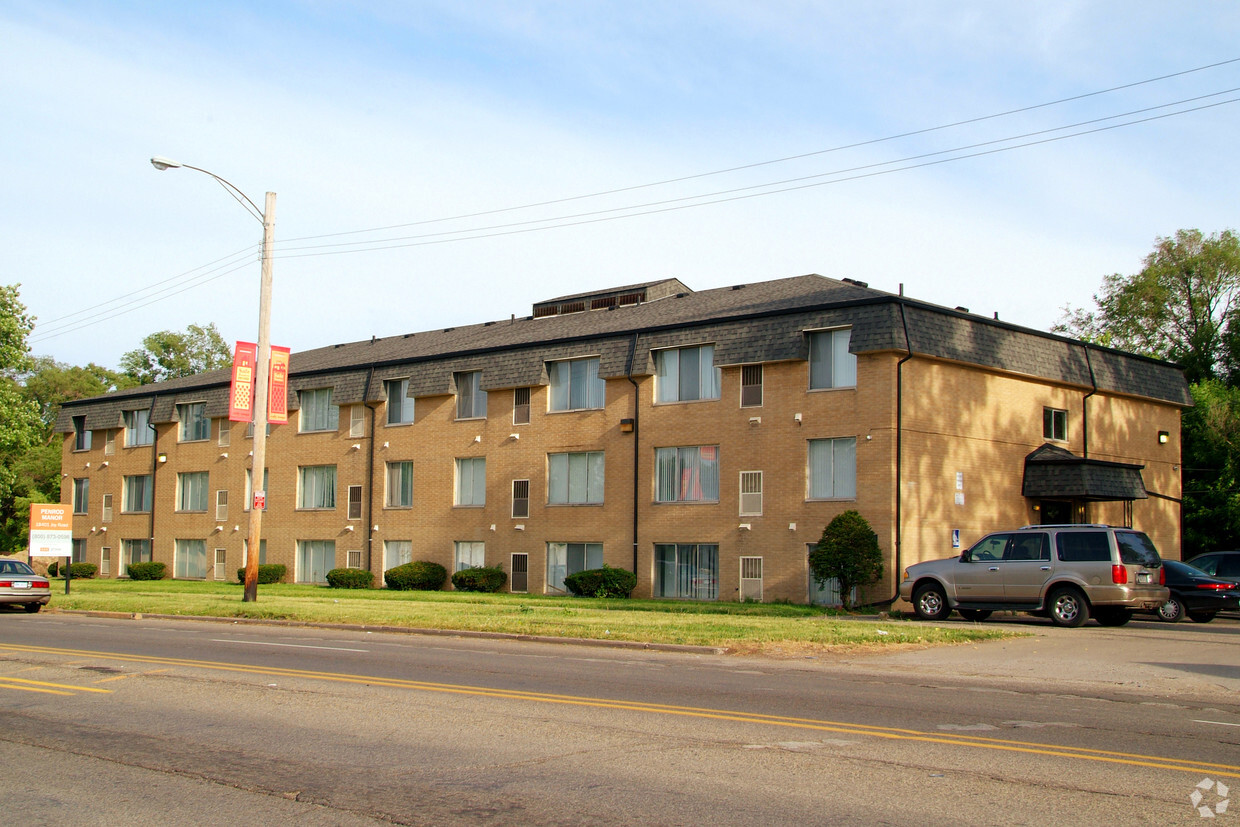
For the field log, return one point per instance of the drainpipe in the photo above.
(370, 474)
(628, 371)
(898, 556)
(1085, 405)
(150, 413)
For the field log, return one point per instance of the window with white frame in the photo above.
(221, 505)
(1055, 424)
(190, 560)
(137, 429)
(564, 559)
(520, 406)
(137, 494)
(688, 474)
(109, 442)
(575, 478)
(575, 384)
(192, 491)
(357, 420)
(399, 402)
(471, 399)
(521, 498)
(134, 551)
(249, 488)
(686, 570)
(81, 495)
(317, 411)
(471, 481)
(469, 555)
(105, 561)
(397, 553)
(353, 558)
(106, 515)
(751, 386)
(194, 423)
(355, 502)
(316, 486)
(751, 493)
(315, 558)
(221, 564)
(833, 468)
(78, 550)
(684, 374)
(81, 434)
(399, 484)
(830, 363)
(225, 432)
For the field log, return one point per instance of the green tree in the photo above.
(1180, 307)
(848, 553)
(1211, 466)
(20, 425)
(50, 384)
(169, 354)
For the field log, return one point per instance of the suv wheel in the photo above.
(1172, 611)
(930, 602)
(1067, 607)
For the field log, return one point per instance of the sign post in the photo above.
(51, 533)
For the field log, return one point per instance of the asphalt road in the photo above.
(106, 721)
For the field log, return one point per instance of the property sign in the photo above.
(241, 405)
(51, 530)
(260, 500)
(277, 399)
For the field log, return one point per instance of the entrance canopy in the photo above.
(1054, 472)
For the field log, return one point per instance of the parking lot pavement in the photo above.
(1162, 659)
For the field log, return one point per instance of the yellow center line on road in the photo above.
(44, 686)
(889, 733)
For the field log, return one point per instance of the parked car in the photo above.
(20, 585)
(1065, 572)
(1225, 564)
(1196, 595)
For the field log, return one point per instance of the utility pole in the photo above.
(258, 499)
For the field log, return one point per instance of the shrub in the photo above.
(604, 582)
(267, 573)
(53, 568)
(146, 571)
(480, 579)
(82, 571)
(420, 575)
(350, 578)
(848, 552)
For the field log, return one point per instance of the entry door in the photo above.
(520, 573)
(1056, 512)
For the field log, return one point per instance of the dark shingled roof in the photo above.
(760, 322)
(1051, 471)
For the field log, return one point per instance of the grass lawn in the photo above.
(767, 628)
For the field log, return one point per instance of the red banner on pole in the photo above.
(277, 399)
(245, 360)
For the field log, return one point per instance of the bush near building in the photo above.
(604, 582)
(849, 553)
(267, 573)
(420, 575)
(480, 579)
(350, 578)
(77, 571)
(146, 571)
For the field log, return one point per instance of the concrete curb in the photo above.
(410, 630)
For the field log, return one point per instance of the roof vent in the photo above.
(962, 309)
(858, 283)
(681, 295)
(738, 287)
(448, 329)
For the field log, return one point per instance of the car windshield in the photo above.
(1135, 549)
(14, 567)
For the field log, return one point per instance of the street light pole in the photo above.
(267, 217)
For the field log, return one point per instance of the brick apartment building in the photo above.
(700, 439)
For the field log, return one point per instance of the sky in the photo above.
(447, 163)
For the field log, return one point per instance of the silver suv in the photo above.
(1064, 572)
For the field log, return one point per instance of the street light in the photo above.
(266, 217)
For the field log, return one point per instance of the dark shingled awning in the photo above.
(1053, 472)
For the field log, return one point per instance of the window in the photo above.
(520, 406)
(830, 363)
(520, 498)
(137, 429)
(353, 558)
(564, 559)
(399, 485)
(317, 411)
(190, 560)
(399, 402)
(107, 508)
(317, 486)
(1083, 546)
(105, 561)
(575, 478)
(194, 423)
(833, 468)
(192, 491)
(686, 570)
(397, 553)
(751, 493)
(355, 502)
(134, 551)
(469, 555)
(357, 420)
(575, 385)
(249, 488)
(751, 386)
(81, 434)
(249, 429)
(221, 505)
(687, 474)
(315, 558)
(78, 550)
(262, 552)
(686, 373)
(471, 481)
(221, 564)
(471, 399)
(109, 442)
(225, 432)
(1055, 424)
(137, 494)
(81, 495)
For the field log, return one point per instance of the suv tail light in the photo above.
(1119, 575)
(1162, 575)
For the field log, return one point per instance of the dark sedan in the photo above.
(1195, 594)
